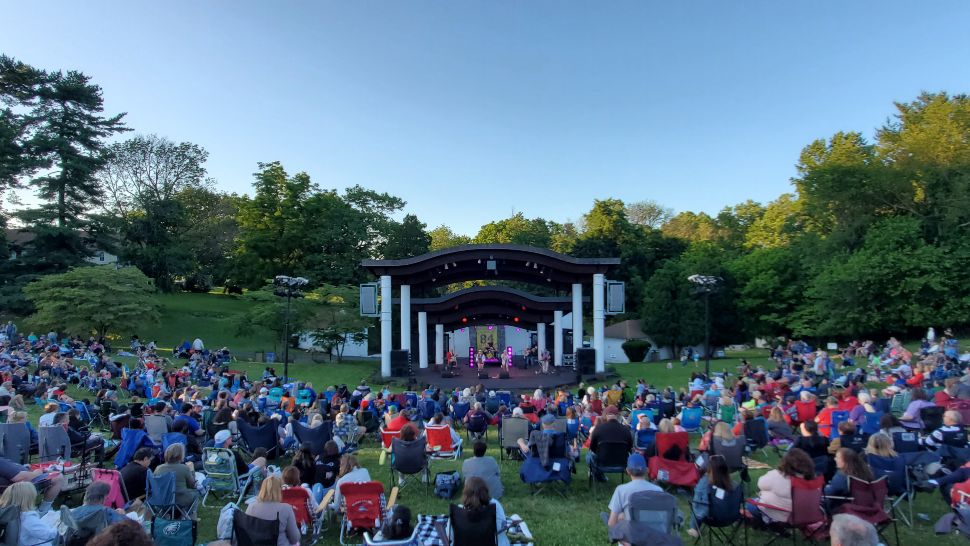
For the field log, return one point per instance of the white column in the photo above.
(577, 316)
(540, 339)
(422, 339)
(557, 338)
(406, 317)
(599, 320)
(439, 344)
(386, 338)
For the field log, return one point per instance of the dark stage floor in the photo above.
(519, 379)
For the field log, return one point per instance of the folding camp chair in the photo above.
(303, 398)
(83, 413)
(756, 434)
(899, 488)
(252, 531)
(805, 411)
(905, 442)
(411, 399)
(222, 478)
(611, 458)
(655, 510)
(15, 442)
(156, 426)
(170, 438)
(932, 418)
(160, 497)
(409, 541)
(899, 403)
(513, 429)
(557, 470)
(387, 436)
(477, 426)
(837, 418)
(309, 522)
(316, 437)
(459, 411)
(635, 417)
(117, 494)
(275, 398)
(131, 440)
(363, 507)
(868, 500)
(472, 527)
(808, 517)
(440, 444)
(726, 413)
(409, 461)
(53, 443)
(691, 419)
(724, 517)
(870, 422)
(77, 532)
(264, 436)
(645, 438)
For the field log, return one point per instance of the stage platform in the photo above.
(519, 379)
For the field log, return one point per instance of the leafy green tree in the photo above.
(770, 284)
(734, 223)
(443, 237)
(210, 230)
(406, 239)
(267, 312)
(93, 299)
(336, 318)
(517, 230)
(778, 226)
(20, 89)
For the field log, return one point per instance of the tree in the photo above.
(20, 89)
(778, 226)
(336, 319)
(407, 239)
(648, 213)
(93, 299)
(70, 132)
(692, 227)
(443, 237)
(770, 284)
(516, 230)
(210, 231)
(146, 170)
(267, 311)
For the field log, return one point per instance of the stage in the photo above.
(519, 379)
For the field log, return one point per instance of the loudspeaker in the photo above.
(483, 375)
(504, 374)
(400, 363)
(586, 361)
(447, 373)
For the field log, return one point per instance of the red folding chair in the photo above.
(667, 440)
(805, 411)
(306, 520)
(387, 436)
(439, 442)
(363, 507)
(807, 514)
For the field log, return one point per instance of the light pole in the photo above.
(705, 284)
(289, 288)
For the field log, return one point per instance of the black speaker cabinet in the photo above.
(586, 361)
(400, 363)
(483, 375)
(503, 374)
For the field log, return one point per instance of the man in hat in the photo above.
(608, 429)
(636, 468)
(223, 439)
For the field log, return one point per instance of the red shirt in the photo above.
(397, 423)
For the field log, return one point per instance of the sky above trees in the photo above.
(470, 111)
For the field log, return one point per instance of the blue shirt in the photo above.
(84, 511)
(190, 421)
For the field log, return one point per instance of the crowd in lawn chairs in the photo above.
(198, 433)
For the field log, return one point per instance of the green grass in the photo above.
(553, 521)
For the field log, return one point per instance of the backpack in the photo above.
(446, 484)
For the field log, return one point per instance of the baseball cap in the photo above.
(264, 390)
(548, 419)
(221, 437)
(636, 463)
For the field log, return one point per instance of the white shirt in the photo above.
(356, 475)
(46, 420)
(35, 532)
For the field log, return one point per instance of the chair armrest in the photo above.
(392, 499)
(327, 499)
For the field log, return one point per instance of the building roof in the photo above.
(628, 329)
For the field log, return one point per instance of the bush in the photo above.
(636, 349)
(197, 282)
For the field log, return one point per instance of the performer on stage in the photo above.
(480, 360)
(450, 360)
(544, 361)
(505, 360)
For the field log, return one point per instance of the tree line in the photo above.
(870, 241)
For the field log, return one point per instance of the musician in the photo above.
(505, 360)
(451, 361)
(480, 360)
(544, 361)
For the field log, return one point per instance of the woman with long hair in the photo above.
(269, 505)
(849, 464)
(775, 486)
(718, 476)
(475, 496)
(350, 472)
(23, 496)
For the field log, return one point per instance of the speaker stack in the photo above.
(400, 363)
(585, 361)
(504, 374)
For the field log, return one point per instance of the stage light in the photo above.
(523, 308)
(527, 264)
(490, 327)
(516, 319)
(535, 266)
(464, 319)
(479, 260)
(446, 267)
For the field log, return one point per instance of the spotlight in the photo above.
(446, 267)
(527, 264)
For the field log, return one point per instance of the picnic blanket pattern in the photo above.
(428, 535)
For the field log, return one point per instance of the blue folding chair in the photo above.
(870, 422)
(645, 438)
(691, 419)
(635, 417)
(837, 418)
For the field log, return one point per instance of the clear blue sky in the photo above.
(470, 109)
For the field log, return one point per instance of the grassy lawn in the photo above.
(553, 521)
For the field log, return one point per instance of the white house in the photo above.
(17, 241)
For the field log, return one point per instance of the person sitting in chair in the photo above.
(636, 468)
(94, 502)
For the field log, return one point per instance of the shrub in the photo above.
(636, 349)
